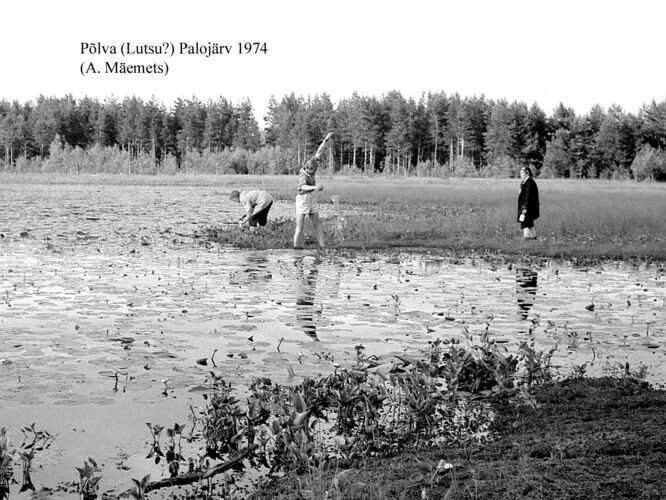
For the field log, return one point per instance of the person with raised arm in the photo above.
(306, 197)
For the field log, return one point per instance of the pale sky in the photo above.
(581, 53)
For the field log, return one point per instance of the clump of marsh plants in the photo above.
(174, 451)
(88, 481)
(6, 467)
(155, 449)
(138, 492)
(34, 440)
(537, 363)
(368, 410)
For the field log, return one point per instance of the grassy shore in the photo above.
(580, 219)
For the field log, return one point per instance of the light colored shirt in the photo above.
(255, 200)
(306, 201)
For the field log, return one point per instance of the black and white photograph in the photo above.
(332, 250)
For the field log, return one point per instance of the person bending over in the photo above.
(257, 204)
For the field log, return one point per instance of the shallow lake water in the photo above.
(108, 305)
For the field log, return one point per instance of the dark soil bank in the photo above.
(596, 438)
(584, 439)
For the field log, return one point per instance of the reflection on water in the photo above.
(255, 269)
(306, 287)
(526, 287)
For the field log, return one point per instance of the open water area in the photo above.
(113, 314)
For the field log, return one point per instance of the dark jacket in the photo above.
(529, 199)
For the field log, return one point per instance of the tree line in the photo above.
(436, 134)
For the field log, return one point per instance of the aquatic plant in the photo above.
(174, 451)
(26, 461)
(34, 440)
(222, 423)
(537, 363)
(139, 491)
(155, 449)
(6, 465)
(483, 367)
(396, 303)
(88, 481)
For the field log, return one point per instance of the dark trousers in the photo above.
(261, 217)
(527, 223)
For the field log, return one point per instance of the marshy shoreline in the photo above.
(579, 438)
(160, 254)
(583, 438)
(588, 221)
(582, 220)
